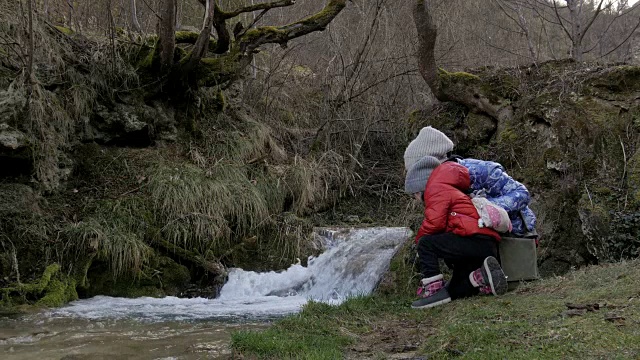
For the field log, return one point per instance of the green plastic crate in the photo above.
(519, 258)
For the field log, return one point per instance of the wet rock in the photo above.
(15, 157)
(354, 219)
(163, 120)
(130, 125)
(11, 139)
(17, 199)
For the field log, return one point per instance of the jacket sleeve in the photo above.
(505, 191)
(436, 212)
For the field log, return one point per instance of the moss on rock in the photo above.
(633, 179)
(52, 289)
(458, 77)
(618, 79)
(58, 293)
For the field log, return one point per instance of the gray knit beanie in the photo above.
(418, 174)
(429, 142)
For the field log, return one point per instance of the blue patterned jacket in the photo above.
(503, 190)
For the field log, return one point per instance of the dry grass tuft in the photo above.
(201, 209)
(115, 234)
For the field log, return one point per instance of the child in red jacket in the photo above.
(450, 231)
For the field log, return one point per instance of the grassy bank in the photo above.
(533, 322)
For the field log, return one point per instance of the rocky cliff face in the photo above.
(573, 140)
(134, 195)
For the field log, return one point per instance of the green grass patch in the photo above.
(320, 331)
(530, 322)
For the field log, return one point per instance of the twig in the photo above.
(153, 11)
(588, 194)
(624, 154)
(253, 23)
(130, 191)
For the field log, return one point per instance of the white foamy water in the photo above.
(352, 265)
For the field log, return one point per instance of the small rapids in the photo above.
(352, 265)
(174, 328)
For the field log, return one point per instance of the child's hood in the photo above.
(451, 173)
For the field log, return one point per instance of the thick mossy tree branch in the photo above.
(224, 69)
(224, 37)
(166, 34)
(220, 20)
(254, 38)
(190, 37)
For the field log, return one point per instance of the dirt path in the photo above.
(391, 339)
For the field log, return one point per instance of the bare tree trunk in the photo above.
(179, 15)
(112, 36)
(576, 29)
(463, 88)
(254, 68)
(224, 37)
(70, 4)
(166, 33)
(135, 24)
(202, 44)
(525, 27)
(31, 50)
(427, 33)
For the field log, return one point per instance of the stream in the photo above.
(174, 328)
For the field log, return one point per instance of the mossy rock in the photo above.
(508, 136)
(279, 243)
(27, 225)
(175, 277)
(162, 277)
(101, 281)
(504, 85)
(555, 159)
(478, 129)
(52, 289)
(633, 178)
(403, 274)
(58, 293)
(618, 79)
(16, 199)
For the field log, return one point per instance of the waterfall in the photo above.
(352, 264)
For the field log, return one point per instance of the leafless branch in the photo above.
(152, 10)
(593, 18)
(251, 8)
(555, 9)
(623, 41)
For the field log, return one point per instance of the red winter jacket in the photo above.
(447, 207)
